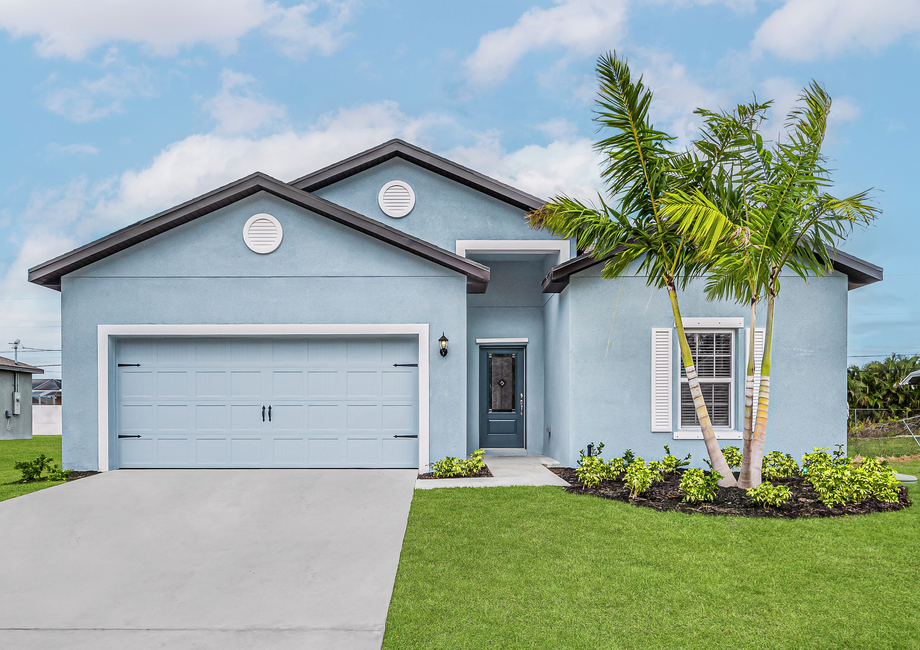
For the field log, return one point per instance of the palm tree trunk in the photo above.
(763, 405)
(702, 414)
(744, 478)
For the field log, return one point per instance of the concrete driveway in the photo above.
(204, 559)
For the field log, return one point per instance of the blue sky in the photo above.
(116, 109)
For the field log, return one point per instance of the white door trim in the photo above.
(562, 248)
(106, 332)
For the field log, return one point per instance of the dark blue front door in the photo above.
(501, 397)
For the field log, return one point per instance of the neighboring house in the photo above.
(15, 404)
(271, 324)
(47, 414)
(47, 391)
(913, 379)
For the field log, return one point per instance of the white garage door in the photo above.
(267, 402)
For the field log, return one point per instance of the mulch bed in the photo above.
(76, 474)
(664, 495)
(483, 473)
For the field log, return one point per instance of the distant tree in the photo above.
(875, 385)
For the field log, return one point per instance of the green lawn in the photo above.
(13, 451)
(882, 446)
(541, 568)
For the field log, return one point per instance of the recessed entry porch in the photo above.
(505, 330)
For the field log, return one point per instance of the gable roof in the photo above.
(859, 272)
(9, 364)
(397, 148)
(49, 273)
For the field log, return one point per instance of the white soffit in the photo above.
(562, 248)
(396, 199)
(262, 233)
(714, 322)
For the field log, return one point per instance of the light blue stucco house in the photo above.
(395, 308)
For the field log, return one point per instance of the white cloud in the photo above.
(237, 108)
(73, 148)
(94, 99)
(785, 94)
(73, 29)
(566, 166)
(806, 30)
(298, 36)
(581, 27)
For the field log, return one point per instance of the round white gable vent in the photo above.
(396, 199)
(262, 233)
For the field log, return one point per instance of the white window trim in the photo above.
(522, 341)
(562, 248)
(105, 333)
(722, 433)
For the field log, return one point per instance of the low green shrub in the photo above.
(767, 494)
(592, 470)
(698, 486)
(452, 467)
(733, 457)
(32, 469)
(670, 463)
(779, 465)
(838, 482)
(58, 474)
(640, 476)
(616, 467)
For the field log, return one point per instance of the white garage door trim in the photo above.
(106, 332)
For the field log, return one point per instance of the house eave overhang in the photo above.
(49, 273)
(859, 272)
(400, 149)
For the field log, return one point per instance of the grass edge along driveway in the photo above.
(13, 451)
(536, 567)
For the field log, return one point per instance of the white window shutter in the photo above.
(759, 336)
(662, 383)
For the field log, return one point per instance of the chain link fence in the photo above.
(883, 432)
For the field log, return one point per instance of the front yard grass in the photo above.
(883, 446)
(540, 568)
(14, 451)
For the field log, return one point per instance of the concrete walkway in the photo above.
(268, 559)
(506, 471)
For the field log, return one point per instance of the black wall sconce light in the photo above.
(443, 343)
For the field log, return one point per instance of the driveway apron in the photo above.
(204, 559)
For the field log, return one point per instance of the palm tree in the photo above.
(786, 220)
(638, 171)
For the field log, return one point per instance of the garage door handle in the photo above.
(263, 414)
(408, 435)
(405, 365)
(269, 413)
(121, 436)
(129, 365)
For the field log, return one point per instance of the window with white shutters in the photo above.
(662, 364)
(713, 356)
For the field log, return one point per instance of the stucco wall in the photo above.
(202, 272)
(20, 425)
(610, 391)
(444, 212)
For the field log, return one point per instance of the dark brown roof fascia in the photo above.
(401, 149)
(49, 274)
(9, 364)
(859, 272)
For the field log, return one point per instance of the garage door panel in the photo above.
(362, 384)
(173, 417)
(211, 417)
(288, 384)
(325, 384)
(336, 402)
(289, 452)
(137, 384)
(172, 383)
(210, 384)
(245, 383)
(173, 452)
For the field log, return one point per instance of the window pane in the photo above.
(712, 355)
(501, 383)
(716, 397)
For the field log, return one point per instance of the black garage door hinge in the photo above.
(407, 435)
(129, 365)
(123, 436)
(405, 365)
